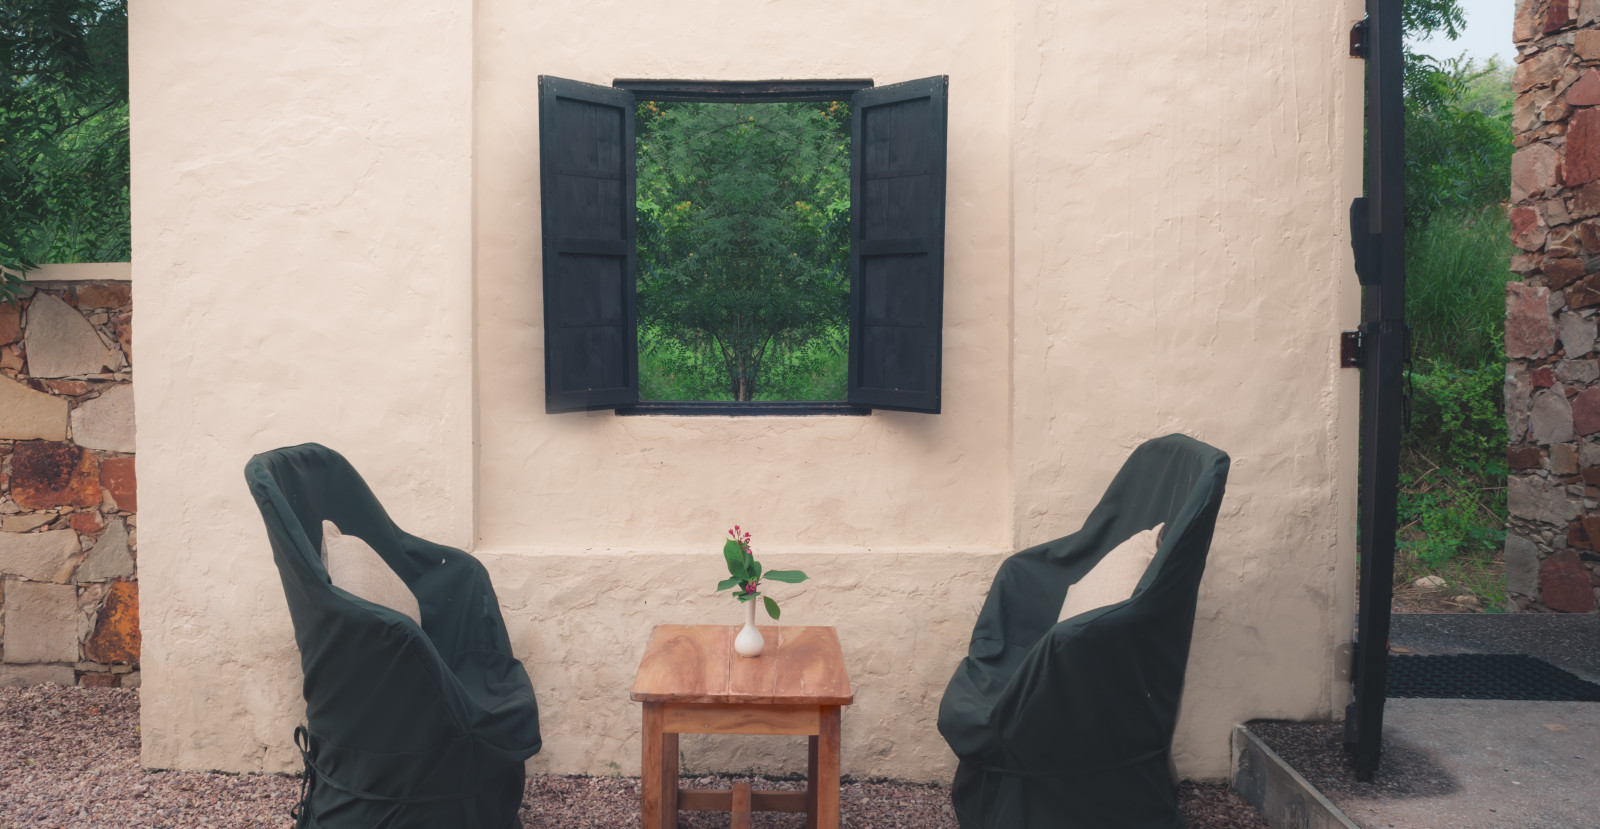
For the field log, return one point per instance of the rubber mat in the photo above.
(1485, 676)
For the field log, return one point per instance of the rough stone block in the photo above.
(1558, 14)
(1534, 169)
(98, 680)
(1518, 391)
(108, 294)
(10, 323)
(1551, 420)
(1528, 229)
(1563, 460)
(1587, 43)
(1581, 372)
(110, 558)
(1582, 163)
(26, 522)
(26, 414)
(117, 476)
(1586, 411)
(1525, 457)
(26, 675)
(122, 324)
(61, 343)
(1560, 273)
(1577, 334)
(106, 422)
(1586, 92)
(46, 556)
(41, 622)
(46, 474)
(70, 388)
(1540, 70)
(1537, 500)
(1530, 331)
(1586, 201)
(86, 523)
(1528, 24)
(1543, 377)
(1563, 243)
(116, 627)
(1564, 584)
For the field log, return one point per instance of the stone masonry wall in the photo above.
(69, 598)
(1552, 377)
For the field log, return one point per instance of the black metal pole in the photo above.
(1382, 379)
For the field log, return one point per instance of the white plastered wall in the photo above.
(336, 237)
(302, 253)
(1182, 260)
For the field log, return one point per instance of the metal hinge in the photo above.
(1352, 354)
(1358, 39)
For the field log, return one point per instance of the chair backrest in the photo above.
(1173, 480)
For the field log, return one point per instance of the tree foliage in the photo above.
(1458, 138)
(63, 133)
(743, 221)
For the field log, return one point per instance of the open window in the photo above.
(588, 184)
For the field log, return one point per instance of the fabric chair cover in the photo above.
(408, 726)
(1069, 724)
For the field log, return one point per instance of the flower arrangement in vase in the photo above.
(745, 575)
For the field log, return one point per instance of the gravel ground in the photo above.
(69, 759)
(1316, 750)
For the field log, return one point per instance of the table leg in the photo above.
(827, 786)
(811, 783)
(650, 774)
(669, 781)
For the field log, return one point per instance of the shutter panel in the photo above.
(897, 176)
(586, 186)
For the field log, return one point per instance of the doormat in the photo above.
(1485, 676)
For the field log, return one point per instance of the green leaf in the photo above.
(772, 607)
(734, 554)
(786, 576)
(726, 583)
(755, 570)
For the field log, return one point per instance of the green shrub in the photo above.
(1456, 274)
(1457, 418)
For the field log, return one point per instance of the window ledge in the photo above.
(728, 408)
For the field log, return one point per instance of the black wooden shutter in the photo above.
(586, 184)
(897, 176)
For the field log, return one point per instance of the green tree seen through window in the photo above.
(744, 240)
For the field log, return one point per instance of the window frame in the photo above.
(769, 92)
(776, 91)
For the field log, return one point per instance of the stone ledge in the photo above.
(82, 272)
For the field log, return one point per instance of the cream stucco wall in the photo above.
(302, 243)
(336, 239)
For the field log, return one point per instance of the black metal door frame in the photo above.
(1378, 236)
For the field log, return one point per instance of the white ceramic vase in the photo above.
(749, 642)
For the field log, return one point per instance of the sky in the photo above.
(1488, 33)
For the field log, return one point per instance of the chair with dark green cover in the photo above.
(407, 725)
(1069, 724)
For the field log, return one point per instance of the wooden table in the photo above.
(691, 682)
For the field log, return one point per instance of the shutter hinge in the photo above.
(1358, 39)
(1352, 354)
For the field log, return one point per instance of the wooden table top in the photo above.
(696, 663)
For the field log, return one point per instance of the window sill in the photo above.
(728, 408)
